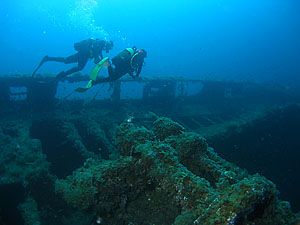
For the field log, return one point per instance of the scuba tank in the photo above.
(125, 57)
(82, 45)
(87, 44)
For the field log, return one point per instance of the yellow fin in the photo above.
(81, 89)
(97, 68)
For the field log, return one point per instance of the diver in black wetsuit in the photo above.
(129, 61)
(86, 49)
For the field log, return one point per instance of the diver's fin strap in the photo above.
(88, 86)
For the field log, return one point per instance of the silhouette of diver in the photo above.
(86, 49)
(129, 61)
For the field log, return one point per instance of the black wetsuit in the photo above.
(87, 49)
(123, 65)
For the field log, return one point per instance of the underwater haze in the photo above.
(217, 39)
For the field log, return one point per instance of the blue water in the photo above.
(217, 39)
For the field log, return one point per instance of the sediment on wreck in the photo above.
(169, 176)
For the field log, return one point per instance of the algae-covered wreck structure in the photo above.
(169, 176)
(127, 158)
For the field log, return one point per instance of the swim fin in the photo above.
(97, 68)
(81, 89)
(45, 59)
(93, 75)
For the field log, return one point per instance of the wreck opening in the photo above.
(269, 146)
(62, 153)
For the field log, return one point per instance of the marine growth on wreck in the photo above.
(169, 176)
(121, 163)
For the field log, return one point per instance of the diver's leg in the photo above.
(81, 64)
(53, 59)
(115, 73)
(70, 71)
(70, 59)
(100, 80)
(73, 58)
(46, 59)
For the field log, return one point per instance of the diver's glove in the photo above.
(133, 76)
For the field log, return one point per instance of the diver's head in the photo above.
(108, 46)
(143, 53)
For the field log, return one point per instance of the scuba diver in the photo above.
(86, 49)
(129, 61)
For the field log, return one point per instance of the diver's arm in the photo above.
(139, 70)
